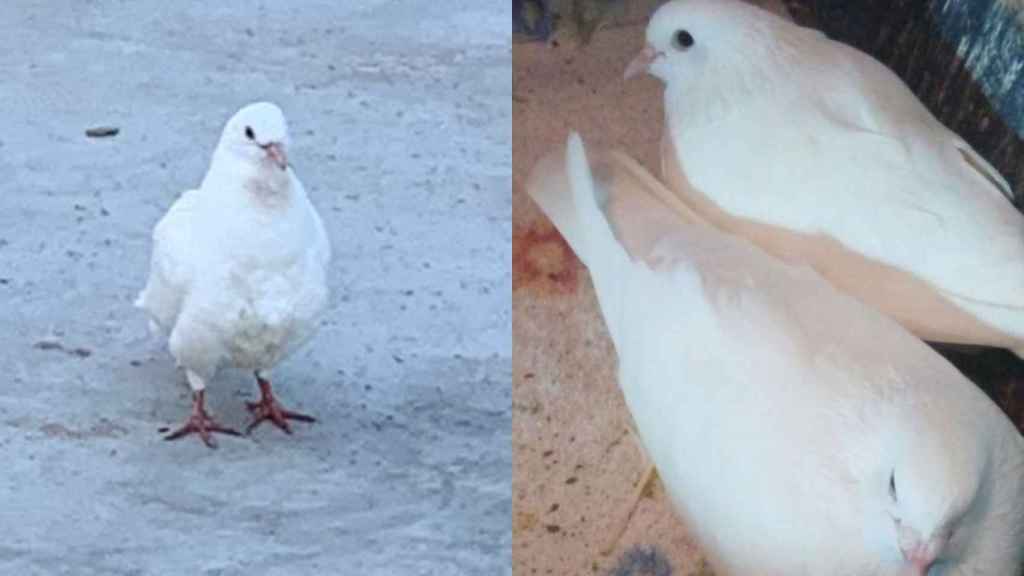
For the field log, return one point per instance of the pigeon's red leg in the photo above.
(201, 423)
(268, 409)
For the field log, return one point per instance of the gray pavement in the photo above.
(400, 115)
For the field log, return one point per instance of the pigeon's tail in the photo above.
(564, 187)
(599, 248)
(548, 185)
(613, 214)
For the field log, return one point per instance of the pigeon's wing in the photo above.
(939, 188)
(172, 261)
(312, 295)
(321, 245)
(868, 96)
(843, 150)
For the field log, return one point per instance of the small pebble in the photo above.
(48, 344)
(102, 131)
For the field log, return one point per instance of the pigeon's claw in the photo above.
(202, 424)
(267, 408)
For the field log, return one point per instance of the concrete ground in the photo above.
(577, 465)
(400, 118)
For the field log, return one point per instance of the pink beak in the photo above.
(641, 62)
(275, 151)
(920, 561)
(920, 568)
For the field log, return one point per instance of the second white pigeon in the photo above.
(820, 154)
(238, 274)
(798, 431)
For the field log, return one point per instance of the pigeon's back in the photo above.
(854, 176)
(762, 394)
(264, 281)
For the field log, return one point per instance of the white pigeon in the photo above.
(820, 154)
(797, 430)
(239, 269)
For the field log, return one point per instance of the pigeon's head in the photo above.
(927, 489)
(258, 134)
(687, 37)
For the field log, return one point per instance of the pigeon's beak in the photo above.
(641, 63)
(920, 559)
(920, 567)
(275, 151)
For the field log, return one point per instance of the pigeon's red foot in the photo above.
(268, 409)
(200, 423)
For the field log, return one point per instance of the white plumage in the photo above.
(799, 432)
(238, 272)
(821, 154)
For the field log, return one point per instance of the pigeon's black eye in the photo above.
(892, 486)
(249, 134)
(682, 39)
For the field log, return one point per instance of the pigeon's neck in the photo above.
(734, 83)
(270, 187)
(712, 99)
(263, 184)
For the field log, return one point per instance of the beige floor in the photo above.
(575, 461)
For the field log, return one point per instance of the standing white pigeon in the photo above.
(820, 154)
(238, 273)
(798, 431)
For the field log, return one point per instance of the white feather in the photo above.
(777, 126)
(238, 273)
(774, 406)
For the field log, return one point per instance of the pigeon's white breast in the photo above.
(264, 286)
(273, 313)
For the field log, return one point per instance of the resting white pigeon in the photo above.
(820, 154)
(238, 273)
(799, 431)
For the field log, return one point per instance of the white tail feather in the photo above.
(564, 187)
